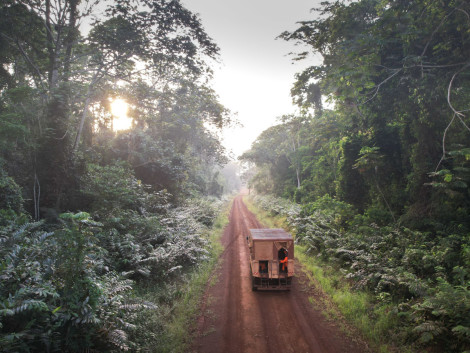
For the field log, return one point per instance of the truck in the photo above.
(271, 259)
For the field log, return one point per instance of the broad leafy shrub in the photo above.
(119, 312)
(373, 215)
(130, 239)
(203, 210)
(54, 293)
(29, 296)
(186, 242)
(340, 212)
(154, 247)
(115, 186)
(275, 205)
(443, 318)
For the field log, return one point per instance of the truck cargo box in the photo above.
(268, 250)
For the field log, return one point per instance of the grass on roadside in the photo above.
(374, 322)
(264, 217)
(171, 326)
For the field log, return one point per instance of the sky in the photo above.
(255, 75)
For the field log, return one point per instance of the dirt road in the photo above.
(236, 319)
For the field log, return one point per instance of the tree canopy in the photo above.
(394, 78)
(60, 74)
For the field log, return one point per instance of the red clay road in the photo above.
(236, 319)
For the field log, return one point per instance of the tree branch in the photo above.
(449, 88)
(23, 53)
(465, 12)
(442, 66)
(435, 31)
(457, 114)
(444, 144)
(377, 88)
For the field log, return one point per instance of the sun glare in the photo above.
(119, 109)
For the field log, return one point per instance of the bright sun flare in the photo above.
(119, 110)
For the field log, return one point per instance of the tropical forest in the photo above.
(110, 228)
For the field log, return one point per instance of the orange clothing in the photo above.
(284, 263)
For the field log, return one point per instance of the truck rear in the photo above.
(271, 259)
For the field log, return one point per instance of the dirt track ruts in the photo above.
(236, 319)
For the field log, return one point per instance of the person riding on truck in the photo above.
(283, 261)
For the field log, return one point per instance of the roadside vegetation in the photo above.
(113, 282)
(171, 328)
(270, 218)
(377, 276)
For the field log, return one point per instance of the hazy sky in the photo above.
(256, 75)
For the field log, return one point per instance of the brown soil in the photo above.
(236, 319)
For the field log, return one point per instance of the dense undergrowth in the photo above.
(106, 280)
(415, 285)
(171, 328)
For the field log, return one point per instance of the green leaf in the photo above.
(462, 330)
(81, 215)
(426, 337)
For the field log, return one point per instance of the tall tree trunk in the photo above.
(298, 177)
(51, 49)
(82, 123)
(96, 78)
(71, 37)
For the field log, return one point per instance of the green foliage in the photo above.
(422, 277)
(67, 289)
(394, 148)
(173, 326)
(272, 152)
(11, 197)
(443, 314)
(67, 282)
(397, 75)
(339, 211)
(53, 296)
(142, 234)
(277, 206)
(351, 185)
(56, 84)
(114, 186)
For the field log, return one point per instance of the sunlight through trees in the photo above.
(119, 109)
